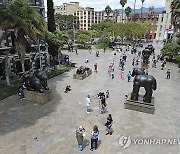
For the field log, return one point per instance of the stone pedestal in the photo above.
(37, 97)
(139, 105)
(82, 76)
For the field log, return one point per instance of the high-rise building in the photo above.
(87, 17)
(164, 28)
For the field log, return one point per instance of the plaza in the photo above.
(31, 128)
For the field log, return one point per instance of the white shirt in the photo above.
(88, 101)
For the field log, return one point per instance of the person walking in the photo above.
(80, 133)
(129, 76)
(122, 75)
(94, 138)
(112, 73)
(95, 67)
(104, 50)
(21, 92)
(76, 51)
(168, 74)
(109, 70)
(122, 65)
(133, 61)
(107, 93)
(108, 124)
(88, 103)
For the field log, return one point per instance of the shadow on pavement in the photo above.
(16, 113)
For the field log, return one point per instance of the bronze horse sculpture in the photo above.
(142, 80)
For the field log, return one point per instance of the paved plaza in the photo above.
(30, 128)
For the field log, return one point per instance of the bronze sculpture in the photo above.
(36, 81)
(82, 70)
(142, 80)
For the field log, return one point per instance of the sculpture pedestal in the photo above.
(139, 105)
(37, 97)
(82, 76)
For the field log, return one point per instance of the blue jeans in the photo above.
(80, 147)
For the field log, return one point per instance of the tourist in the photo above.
(94, 138)
(76, 51)
(109, 70)
(102, 103)
(21, 93)
(95, 67)
(89, 49)
(80, 133)
(112, 73)
(97, 53)
(162, 66)
(108, 124)
(68, 88)
(129, 76)
(88, 103)
(122, 65)
(168, 74)
(107, 93)
(133, 61)
(104, 50)
(137, 62)
(122, 75)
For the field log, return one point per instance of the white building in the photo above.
(164, 27)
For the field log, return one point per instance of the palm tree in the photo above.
(151, 10)
(134, 7)
(108, 10)
(123, 2)
(116, 13)
(142, 7)
(25, 21)
(175, 19)
(128, 10)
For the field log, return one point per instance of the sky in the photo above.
(100, 5)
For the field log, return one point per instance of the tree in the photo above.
(108, 11)
(175, 19)
(116, 13)
(25, 21)
(170, 49)
(103, 42)
(123, 2)
(66, 22)
(50, 16)
(151, 10)
(142, 7)
(51, 27)
(83, 38)
(128, 10)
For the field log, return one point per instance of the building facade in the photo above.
(67, 8)
(85, 16)
(31, 58)
(164, 28)
(154, 18)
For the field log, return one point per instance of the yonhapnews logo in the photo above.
(126, 141)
